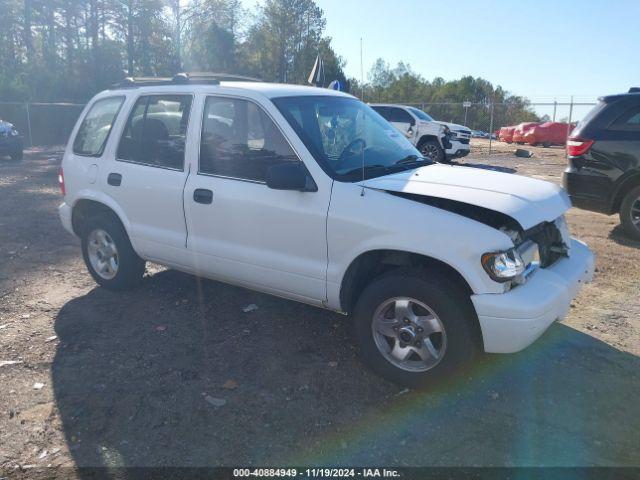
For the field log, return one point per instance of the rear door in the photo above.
(242, 231)
(148, 175)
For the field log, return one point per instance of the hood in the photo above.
(454, 126)
(526, 200)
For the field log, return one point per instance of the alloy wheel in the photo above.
(409, 334)
(103, 254)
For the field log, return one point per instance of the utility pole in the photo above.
(176, 13)
(361, 73)
(555, 104)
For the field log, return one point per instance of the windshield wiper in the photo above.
(410, 159)
(364, 170)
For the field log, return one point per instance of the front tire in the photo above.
(17, 155)
(432, 150)
(630, 213)
(109, 256)
(415, 329)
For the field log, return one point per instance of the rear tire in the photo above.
(17, 156)
(434, 302)
(432, 150)
(630, 213)
(546, 144)
(108, 254)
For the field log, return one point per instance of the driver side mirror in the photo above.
(290, 176)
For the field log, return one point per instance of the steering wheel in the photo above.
(349, 148)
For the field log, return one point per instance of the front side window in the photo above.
(343, 134)
(239, 140)
(420, 114)
(95, 128)
(156, 131)
(399, 115)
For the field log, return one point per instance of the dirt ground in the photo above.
(177, 374)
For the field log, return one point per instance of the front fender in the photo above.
(379, 221)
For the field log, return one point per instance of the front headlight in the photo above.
(14, 132)
(503, 266)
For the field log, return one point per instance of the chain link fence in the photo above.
(44, 124)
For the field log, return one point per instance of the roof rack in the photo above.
(190, 78)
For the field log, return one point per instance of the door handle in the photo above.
(202, 195)
(114, 179)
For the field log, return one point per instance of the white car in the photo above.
(428, 136)
(422, 130)
(308, 194)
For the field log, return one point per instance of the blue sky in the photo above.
(540, 49)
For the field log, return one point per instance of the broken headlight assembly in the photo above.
(503, 266)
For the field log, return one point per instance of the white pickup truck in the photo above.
(310, 195)
(439, 141)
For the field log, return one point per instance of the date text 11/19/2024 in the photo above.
(316, 472)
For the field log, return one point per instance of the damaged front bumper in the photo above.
(514, 320)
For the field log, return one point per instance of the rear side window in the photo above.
(95, 127)
(156, 131)
(240, 140)
(629, 120)
(383, 111)
(400, 116)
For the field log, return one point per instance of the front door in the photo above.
(240, 230)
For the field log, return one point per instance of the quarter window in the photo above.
(239, 140)
(95, 128)
(629, 120)
(156, 131)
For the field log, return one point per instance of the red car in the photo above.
(521, 130)
(506, 134)
(549, 133)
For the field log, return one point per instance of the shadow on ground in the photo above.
(139, 379)
(621, 237)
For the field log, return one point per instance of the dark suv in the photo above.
(604, 160)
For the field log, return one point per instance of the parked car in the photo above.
(10, 141)
(521, 130)
(308, 194)
(506, 134)
(603, 154)
(548, 133)
(434, 140)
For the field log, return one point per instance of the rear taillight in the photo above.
(61, 181)
(577, 146)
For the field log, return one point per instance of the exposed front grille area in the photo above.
(551, 244)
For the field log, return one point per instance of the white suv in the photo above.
(308, 194)
(428, 136)
(423, 131)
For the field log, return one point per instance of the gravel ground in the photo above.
(177, 374)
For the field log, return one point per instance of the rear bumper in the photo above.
(588, 191)
(64, 212)
(514, 320)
